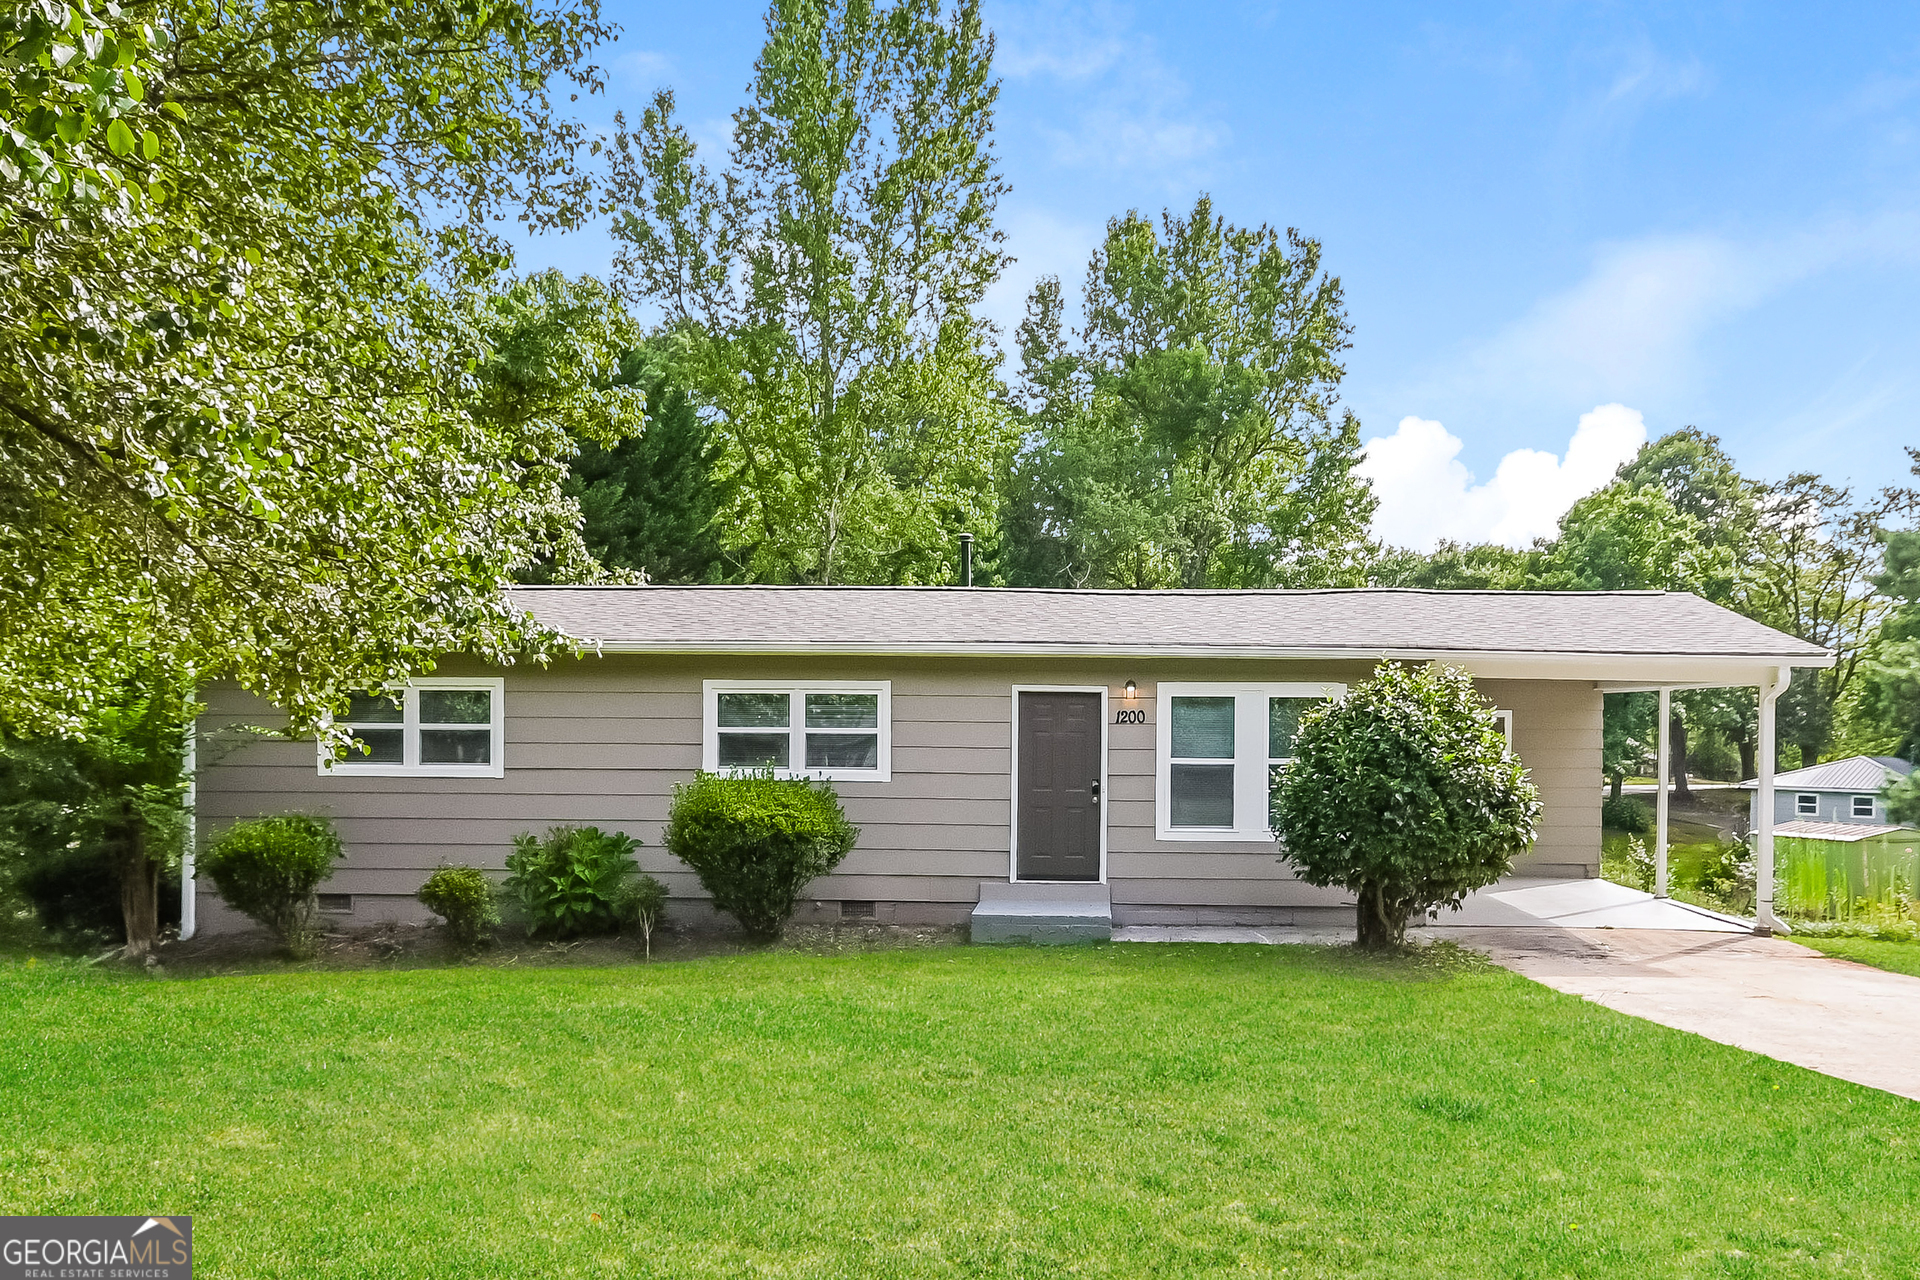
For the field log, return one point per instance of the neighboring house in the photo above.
(1112, 748)
(1840, 791)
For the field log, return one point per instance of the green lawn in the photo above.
(1112, 1111)
(1900, 957)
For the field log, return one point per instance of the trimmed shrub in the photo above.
(268, 868)
(1405, 795)
(463, 897)
(575, 882)
(756, 841)
(1624, 813)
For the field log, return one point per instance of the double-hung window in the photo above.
(1219, 746)
(443, 728)
(840, 731)
(1863, 806)
(1806, 804)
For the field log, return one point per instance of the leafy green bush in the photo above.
(1403, 793)
(268, 868)
(756, 841)
(577, 881)
(1627, 814)
(463, 897)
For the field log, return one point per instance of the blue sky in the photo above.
(1559, 225)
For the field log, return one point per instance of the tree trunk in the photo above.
(1677, 756)
(139, 890)
(1378, 926)
(1749, 760)
(1619, 776)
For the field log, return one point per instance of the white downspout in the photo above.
(1661, 788)
(1764, 921)
(188, 923)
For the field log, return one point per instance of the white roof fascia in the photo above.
(1628, 671)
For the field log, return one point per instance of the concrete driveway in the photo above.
(1764, 994)
(1678, 965)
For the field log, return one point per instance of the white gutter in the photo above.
(1030, 649)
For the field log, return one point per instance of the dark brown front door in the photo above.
(1059, 786)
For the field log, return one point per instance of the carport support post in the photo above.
(1763, 917)
(1662, 785)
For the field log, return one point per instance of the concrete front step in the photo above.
(1043, 913)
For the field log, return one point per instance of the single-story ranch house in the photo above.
(1108, 747)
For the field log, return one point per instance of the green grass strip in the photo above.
(1105, 1111)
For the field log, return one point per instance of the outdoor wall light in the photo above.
(1133, 691)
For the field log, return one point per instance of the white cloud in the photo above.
(1125, 108)
(1632, 329)
(643, 68)
(1068, 42)
(1427, 494)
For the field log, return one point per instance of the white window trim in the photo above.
(710, 691)
(410, 737)
(1505, 720)
(1806, 795)
(1854, 809)
(1013, 757)
(1250, 812)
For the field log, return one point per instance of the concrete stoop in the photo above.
(1043, 913)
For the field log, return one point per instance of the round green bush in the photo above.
(1404, 794)
(756, 841)
(1626, 814)
(464, 898)
(268, 868)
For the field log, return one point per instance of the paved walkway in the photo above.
(1765, 994)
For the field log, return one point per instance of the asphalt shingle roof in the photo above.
(960, 620)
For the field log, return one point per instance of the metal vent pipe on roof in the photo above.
(966, 559)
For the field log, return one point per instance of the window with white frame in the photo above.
(840, 731)
(1504, 719)
(1219, 745)
(1863, 806)
(1806, 804)
(446, 728)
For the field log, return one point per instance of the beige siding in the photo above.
(603, 741)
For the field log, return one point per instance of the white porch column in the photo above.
(1665, 785)
(1764, 921)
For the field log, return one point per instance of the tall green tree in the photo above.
(1889, 677)
(91, 822)
(1453, 566)
(651, 503)
(1193, 436)
(1810, 570)
(823, 286)
(238, 420)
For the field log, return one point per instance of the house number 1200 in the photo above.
(1130, 715)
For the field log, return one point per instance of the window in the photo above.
(432, 728)
(838, 731)
(1806, 804)
(1863, 806)
(1505, 720)
(1218, 748)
